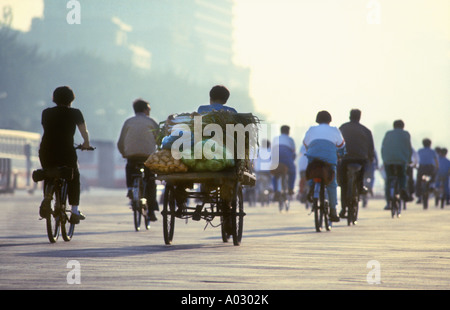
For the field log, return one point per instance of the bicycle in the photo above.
(395, 201)
(281, 174)
(138, 198)
(322, 174)
(426, 189)
(263, 188)
(352, 193)
(55, 189)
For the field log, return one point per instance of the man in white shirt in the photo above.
(136, 142)
(323, 142)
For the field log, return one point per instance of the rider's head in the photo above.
(398, 124)
(323, 117)
(426, 142)
(141, 106)
(219, 94)
(355, 115)
(63, 95)
(285, 129)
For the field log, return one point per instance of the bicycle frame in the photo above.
(58, 219)
(426, 181)
(352, 194)
(394, 196)
(139, 200)
(321, 207)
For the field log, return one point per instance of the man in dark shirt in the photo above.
(57, 145)
(359, 149)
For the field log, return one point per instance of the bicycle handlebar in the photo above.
(80, 147)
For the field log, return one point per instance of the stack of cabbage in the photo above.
(206, 154)
(162, 162)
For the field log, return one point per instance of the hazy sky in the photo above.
(311, 55)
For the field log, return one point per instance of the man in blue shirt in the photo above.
(286, 155)
(218, 97)
(444, 173)
(428, 165)
(396, 151)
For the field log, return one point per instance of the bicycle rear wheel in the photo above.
(169, 214)
(237, 218)
(53, 220)
(138, 194)
(318, 215)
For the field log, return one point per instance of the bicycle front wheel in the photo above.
(318, 215)
(67, 228)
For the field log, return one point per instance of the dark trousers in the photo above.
(424, 170)
(342, 176)
(50, 159)
(132, 167)
(395, 170)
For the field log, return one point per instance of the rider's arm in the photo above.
(84, 134)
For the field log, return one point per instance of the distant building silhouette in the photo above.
(191, 38)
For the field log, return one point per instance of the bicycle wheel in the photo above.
(326, 219)
(237, 215)
(317, 215)
(395, 206)
(425, 198)
(353, 206)
(53, 219)
(318, 202)
(67, 228)
(136, 203)
(169, 214)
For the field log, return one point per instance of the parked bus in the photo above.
(18, 158)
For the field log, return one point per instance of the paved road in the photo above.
(279, 251)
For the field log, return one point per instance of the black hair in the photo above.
(426, 142)
(323, 117)
(355, 115)
(63, 95)
(140, 106)
(219, 93)
(285, 129)
(399, 124)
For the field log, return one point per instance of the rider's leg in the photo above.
(73, 194)
(332, 198)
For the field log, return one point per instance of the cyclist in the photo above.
(57, 146)
(262, 167)
(359, 149)
(136, 142)
(325, 142)
(428, 165)
(303, 183)
(396, 149)
(286, 155)
(444, 173)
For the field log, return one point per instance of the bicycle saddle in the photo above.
(353, 167)
(280, 170)
(318, 169)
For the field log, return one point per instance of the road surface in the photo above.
(279, 251)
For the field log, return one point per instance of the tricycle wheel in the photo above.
(169, 214)
(237, 218)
